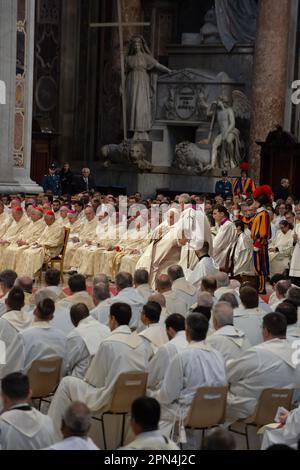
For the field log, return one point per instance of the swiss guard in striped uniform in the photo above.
(244, 185)
(261, 234)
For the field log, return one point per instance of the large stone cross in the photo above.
(120, 25)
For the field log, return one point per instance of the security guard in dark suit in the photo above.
(51, 182)
(224, 187)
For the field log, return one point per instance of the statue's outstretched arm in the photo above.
(162, 68)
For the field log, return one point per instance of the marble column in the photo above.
(270, 74)
(8, 35)
(15, 179)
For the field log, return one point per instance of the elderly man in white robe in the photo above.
(175, 328)
(248, 317)
(22, 427)
(174, 303)
(125, 293)
(30, 234)
(15, 319)
(12, 234)
(48, 245)
(227, 339)
(141, 283)
(280, 290)
(5, 219)
(194, 226)
(199, 365)
(79, 294)
(281, 249)
(267, 365)
(40, 341)
(76, 423)
(154, 333)
(164, 250)
(205, 266)
(84, 341)
(86, 233)
(225, 236)
(181, 287)
(121, 352)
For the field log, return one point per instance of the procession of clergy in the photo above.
(183, 301)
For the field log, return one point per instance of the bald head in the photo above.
(222, 315)
(222, 280)
(159, 298)
(25, 283)
(282, 287)
(101, 278)
(100, 292)
(163, 283)
(78, 312)
(76, 420)
(205, 299)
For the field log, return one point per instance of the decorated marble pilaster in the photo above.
(270, 74)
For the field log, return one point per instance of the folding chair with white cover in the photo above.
(128, 387)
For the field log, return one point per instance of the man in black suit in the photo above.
(85, 182)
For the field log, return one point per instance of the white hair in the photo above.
(223, 313)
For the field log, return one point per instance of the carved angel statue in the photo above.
(226, 148)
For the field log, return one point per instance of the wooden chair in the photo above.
(208, 409)
(44, 377)
(269, 402)
(128, 387)
(61, 257)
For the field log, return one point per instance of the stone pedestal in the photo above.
(15, 179)
(270, 74)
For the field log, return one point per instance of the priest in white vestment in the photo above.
(141, 283)
(280, 290)
(227, 339)
(76, 423)
(194, 224)
(225, 236)
(181, 287)
(84, 340)
(154, 333)
(174, 303)
(295, 265)
(267, 365)
(239, 256)
(199, 365)
(30, 234)
(290, 311)
(79, 294)
(15, 319)
(7, 281)
(205, 267)
(125, 293)
(145, 417)
(20, 221)
(46, 247)
(164, 250)
(40, 341)
(287, 432)
(86, 233)
(248, 317)
(122, 351)
(22, 427)
(281, 249)
(175, 328)
(5, 220)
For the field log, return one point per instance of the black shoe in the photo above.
(71, 273)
